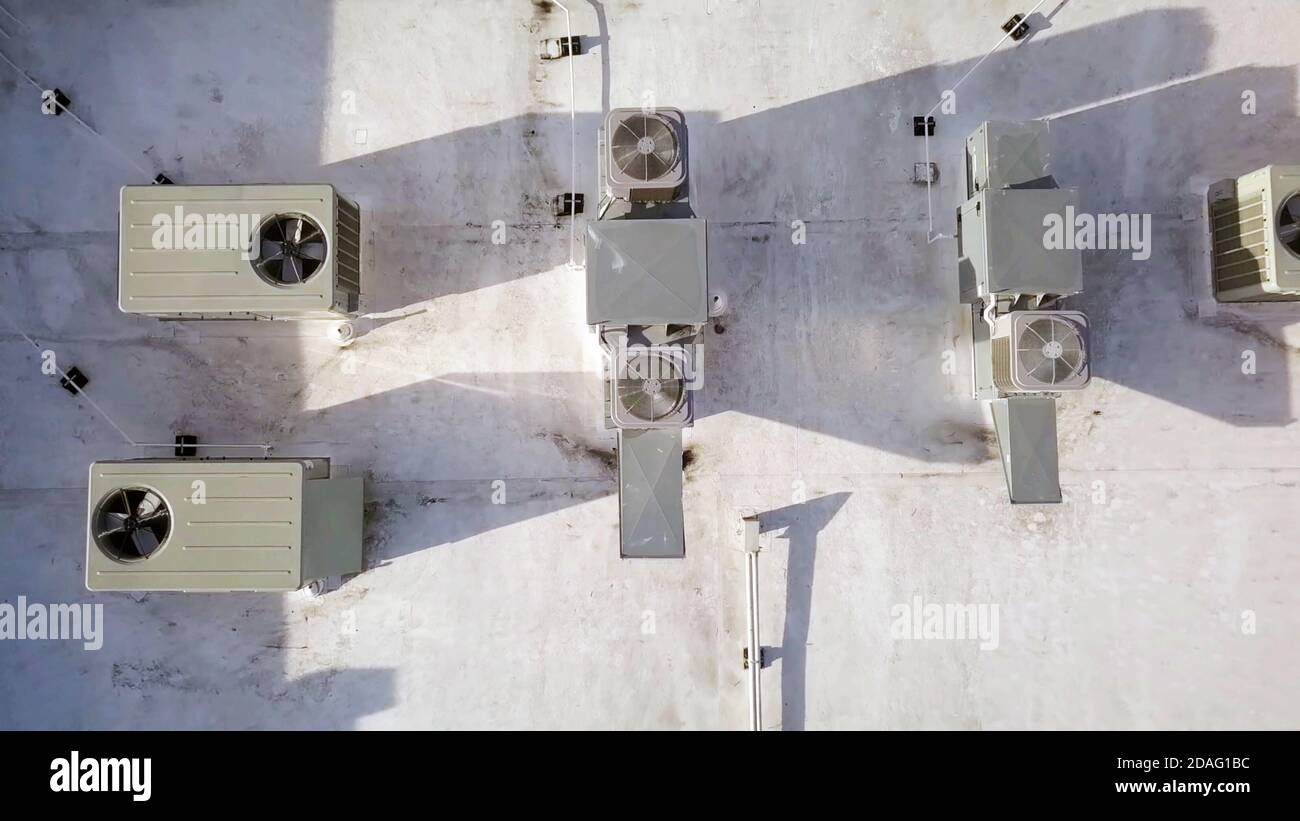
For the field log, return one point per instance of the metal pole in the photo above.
(754, 650)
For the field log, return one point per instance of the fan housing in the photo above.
(291, 249)
(652, 388)
(131, 523)
(1041, 352)
(645, 154)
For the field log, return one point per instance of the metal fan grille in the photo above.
(652, 388)
(131, 523)
(645, 147)
(1051, 350)
(1288, 224)
(291, 249)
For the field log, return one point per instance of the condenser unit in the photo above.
(643, 156)
(652, 384)
(1040, 352)
(1255, 236)
(238, 252)
(220, 525)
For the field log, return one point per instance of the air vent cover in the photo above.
(1041, 352)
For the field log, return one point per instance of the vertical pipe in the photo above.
(755, 649)
(573, 138)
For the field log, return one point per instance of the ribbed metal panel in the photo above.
(1002, 365)
(1240, 233)
(347, 246)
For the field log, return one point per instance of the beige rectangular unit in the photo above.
(238, 252)
(220, 525)
(1255, 239)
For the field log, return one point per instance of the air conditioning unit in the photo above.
(220, 525)
(1040, 352)
(238, 252)
(644, 154)
(1255, 239)
(652, 385)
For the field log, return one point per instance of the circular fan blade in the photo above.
(144, 541)
(292, 269)
(271, 249)
(620, 139)
(654, 167)
(312, 250)
(624, 154)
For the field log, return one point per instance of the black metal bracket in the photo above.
(186, 445)
(923, 126)
(568, 205)
(162, 179)
(74, 380)
(1016, 27)
(762, 658)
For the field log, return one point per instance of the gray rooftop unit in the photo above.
(220, 525)
(647, 298)
(1025, 350)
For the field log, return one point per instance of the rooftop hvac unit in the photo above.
(644, 154)
(238, 252)
(220, 525)
(1022, 353)
(1040, 352)
(1255, 225)
(647, 298)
